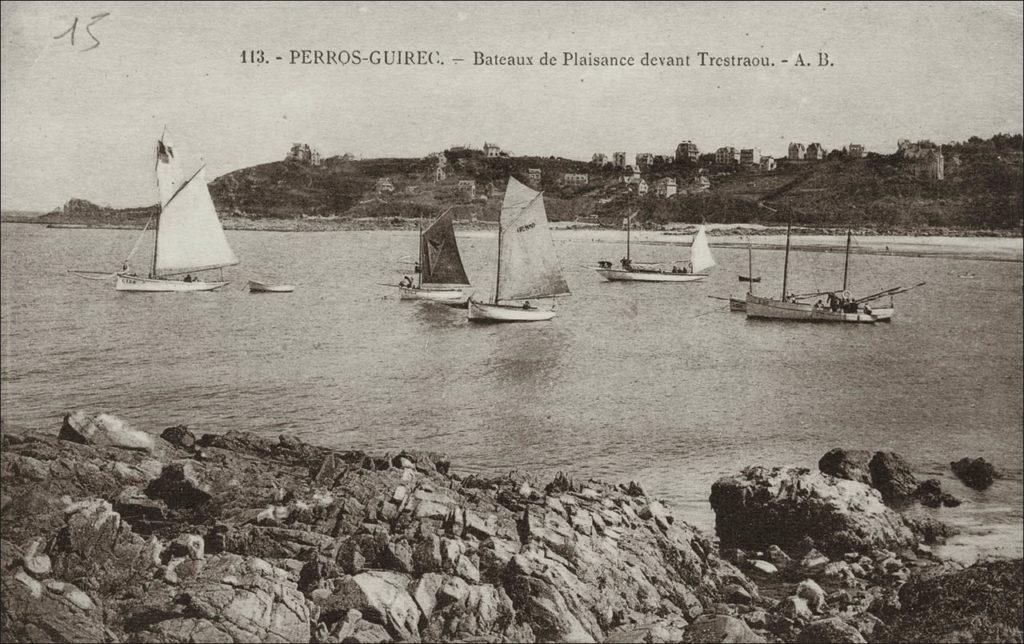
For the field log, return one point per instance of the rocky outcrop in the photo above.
(234, 537)
(104, 429)
(787, 507)
(976, 473)
(850, 464)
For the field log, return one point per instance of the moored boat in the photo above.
(701, 259)
(442, 277)
(262, 287)
(527, 267)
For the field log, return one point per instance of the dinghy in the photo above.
(188, 234)
(442, 277)
(262, 287)
(528, 267)
(701, 259)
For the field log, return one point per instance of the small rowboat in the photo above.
(260, 287)
(747, 278)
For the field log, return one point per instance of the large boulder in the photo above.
(761, 507)
(974, 472)
(832, 629)
(891, 475)
(720, 628)
(850, 464)
(982, 603)
(104, 429)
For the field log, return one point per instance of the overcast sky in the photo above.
(84, 123)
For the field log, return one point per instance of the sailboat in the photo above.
(442, 278)
(189, 237)
(740, 304)
(841, 307)
(528, 268)
(701, 259)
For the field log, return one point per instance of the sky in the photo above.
(78, 122)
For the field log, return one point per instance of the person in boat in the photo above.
(406, 282)
(818, 304)
(124, 267)
(188, 278)
(527, 305)
(627, 264)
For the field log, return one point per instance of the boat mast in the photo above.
(785, 265)
(750, 266)
(846, 264)
(497, 273)
(629, 225)
(419, 277)
(156, 241)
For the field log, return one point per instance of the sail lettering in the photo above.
(525, 227)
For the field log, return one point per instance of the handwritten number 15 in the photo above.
(74, 25)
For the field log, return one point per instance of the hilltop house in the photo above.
(644, 159)
(750, 156)
(599, 158)
(687, 152)
(632, 177)
(796, 151)
(384, 186)
(815, 152)
(574, 179)
(303, 153)
(665, 187)
(468, 188)
(534, 176)
(619, 159)
(439, 174)
(855, 151)
(642, 188)
(926, 159)
(492, 150)
(767, 164)
(727, 156)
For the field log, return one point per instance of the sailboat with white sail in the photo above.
(701, 260)
(442, 277)
(528, 268)
(188, 235)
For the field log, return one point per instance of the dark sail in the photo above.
(439, 254)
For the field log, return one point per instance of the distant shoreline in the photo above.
(372, 223)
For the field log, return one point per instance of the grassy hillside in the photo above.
(982, 190)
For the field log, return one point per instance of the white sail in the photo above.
(701, 258)
(527, 265)
(189, 235)
(169, 172)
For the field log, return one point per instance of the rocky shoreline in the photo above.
(113, 534)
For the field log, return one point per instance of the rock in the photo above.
(778, 556)
(761, 507)
(720, 628)
(179, 486)
(36, 563)
(891, 476)
(756, 618)
(929, 493)
(466, 569)
(975, 473)
(384, 599)
(812, 593)
(832, 629)
(737, 594)
(794, 608)
(398, 556)
(454, 590)
(762, 567)
(813, 560)
(978, 604)
(426, 591)
(104, 429)
(188, 545)
(481, 526)
(179, 436)
(852, 464)
(838, 571)
(427, 555)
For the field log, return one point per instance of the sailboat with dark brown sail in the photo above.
(442, 277)
(528, 269)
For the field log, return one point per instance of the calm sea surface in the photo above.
(655, 383)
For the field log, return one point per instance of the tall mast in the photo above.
(846, 264)
(785, 265)
(497, 273)
(156, 241)
(419, 279)
(750, 266)
(629, 226)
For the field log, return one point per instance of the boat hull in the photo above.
(445, 294)
(479, 312)
(620, 275)
(260, 287)
(148, 285)
(755, 280)
(736, 304)
(769, 309)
